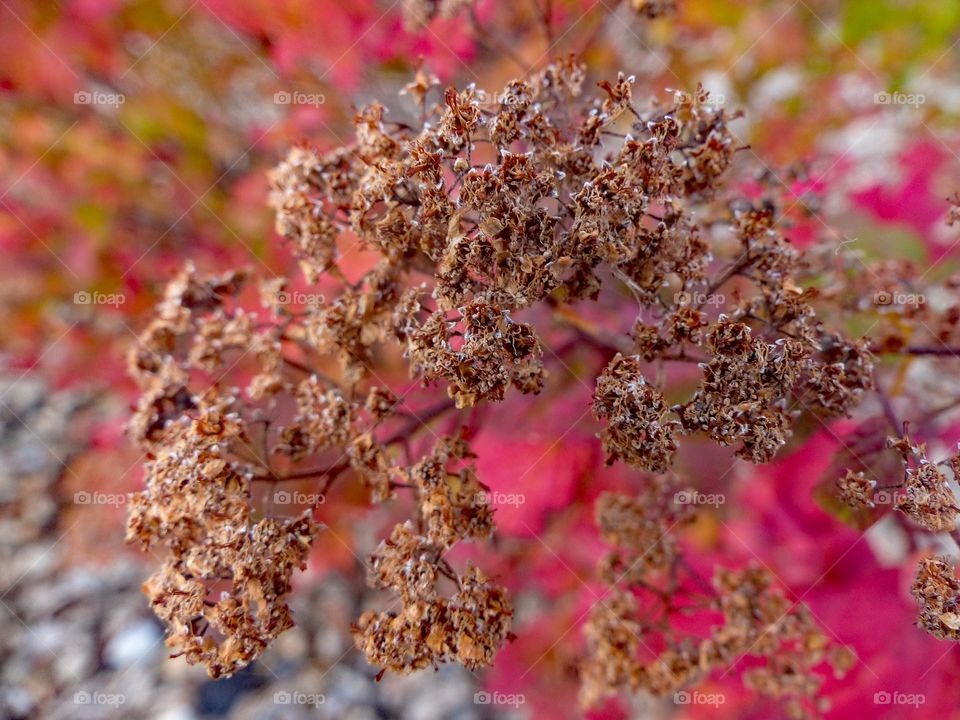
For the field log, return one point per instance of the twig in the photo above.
(937, 351)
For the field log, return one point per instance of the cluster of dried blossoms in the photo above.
(914, 331)
(221, 591)
(924, 496)
(762, 362)
(647, 592)
(488, 207)
(429, 629)
(937, 591)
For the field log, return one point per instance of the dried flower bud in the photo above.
(928, 500)
(636, 431)
(937, 591)
(855, 490)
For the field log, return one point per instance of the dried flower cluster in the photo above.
(927, 499)
(226, 572)
(636, 431)
(468, 627)
(937, 590)
(639, 532)
(764, 360)
(757, 621)
(495, 353)
(429, 629)
(751, 386)
(856, 490)
(918, 329)
(538, 221)
(221, 591)
(503, 201)
(491, 213)
(924, 496)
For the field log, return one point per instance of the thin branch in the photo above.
(936, 351)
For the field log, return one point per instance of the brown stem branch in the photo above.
(936, 351)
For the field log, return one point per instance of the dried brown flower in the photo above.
(856, 490)
(494, 212)
(636, 431)
(937, 591)
(928, 500)
(757, 620)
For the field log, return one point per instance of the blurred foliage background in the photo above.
(113, 197)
